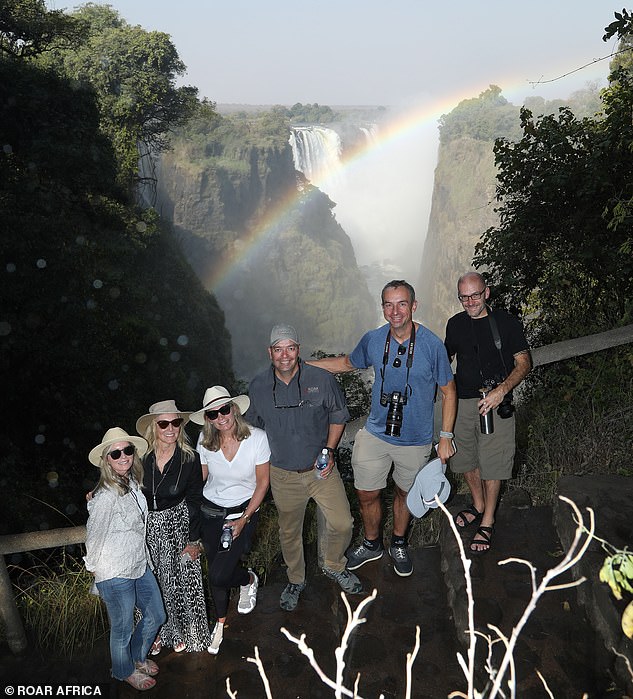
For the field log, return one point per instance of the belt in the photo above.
(210, 509)
(305, 470)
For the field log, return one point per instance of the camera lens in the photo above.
(394, 415)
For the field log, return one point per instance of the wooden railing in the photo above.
(33, 541)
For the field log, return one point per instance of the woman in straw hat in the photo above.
(172, 483)
(236, 459)
(117, 556)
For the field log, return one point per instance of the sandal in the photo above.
(470, 510)
(139, 680)
(483, 537)
(156, 647)
(179, 647)
(149, 667)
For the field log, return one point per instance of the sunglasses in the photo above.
(224, 410)
(164, 424)
(116, 454)
(397, 362)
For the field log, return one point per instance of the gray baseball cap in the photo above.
(283, 332)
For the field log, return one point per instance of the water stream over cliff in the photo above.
(380, 177)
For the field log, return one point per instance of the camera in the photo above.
(506, 407)
(394, 412)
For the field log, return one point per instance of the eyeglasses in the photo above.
(224, 410)
(116, 454)
(397, 362)
(471, 297)
(164, 424)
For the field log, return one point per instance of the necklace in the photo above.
(155, 486)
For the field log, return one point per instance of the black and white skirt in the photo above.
(180, 584)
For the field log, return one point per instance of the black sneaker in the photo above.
(402, 563)
(359, 555)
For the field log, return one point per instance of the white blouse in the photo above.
(233, 482)
(115, 534)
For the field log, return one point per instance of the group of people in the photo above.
(160, 503)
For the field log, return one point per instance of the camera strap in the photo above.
(409, 362)
(496, 337)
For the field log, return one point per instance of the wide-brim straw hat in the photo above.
(112, 436)
(164, 407)
(214, 398)
(430, 481)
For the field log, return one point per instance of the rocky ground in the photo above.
(562, 639)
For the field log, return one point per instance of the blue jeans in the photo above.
(130, 644)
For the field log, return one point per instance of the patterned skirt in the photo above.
(180, 584)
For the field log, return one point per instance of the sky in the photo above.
(394, 53)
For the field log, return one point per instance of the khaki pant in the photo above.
(291, 492)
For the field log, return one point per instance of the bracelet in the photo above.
(330, 449)
(246, 517)
(448, 435)
(197, 543)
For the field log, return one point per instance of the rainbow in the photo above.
(402, 126)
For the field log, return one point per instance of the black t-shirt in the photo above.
(478, 360)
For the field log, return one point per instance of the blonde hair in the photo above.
(108, 478)
(211, 436)
(151, 435)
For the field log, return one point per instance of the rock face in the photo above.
(462, 208)
(463, 205)
(265, 242)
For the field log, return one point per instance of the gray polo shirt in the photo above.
(296, 434)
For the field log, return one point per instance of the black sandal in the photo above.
(483, 537)
(470, 510)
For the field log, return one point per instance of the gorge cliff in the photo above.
(463, 204)
(261, 237)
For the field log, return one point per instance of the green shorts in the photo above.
(492, 454)
(372, 458)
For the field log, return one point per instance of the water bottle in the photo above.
(486, 422)
(322, 462)
(226, 538)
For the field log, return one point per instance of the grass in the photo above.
(56, 606)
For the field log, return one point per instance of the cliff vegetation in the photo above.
(101, 315)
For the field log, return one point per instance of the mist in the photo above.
(383, 196)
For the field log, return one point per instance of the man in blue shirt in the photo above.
(409, 363)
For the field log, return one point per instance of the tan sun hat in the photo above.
(214, 398)
(164, 407)
(112, 436)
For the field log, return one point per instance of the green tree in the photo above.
(562, 246)
(133, 74)
(28, 29)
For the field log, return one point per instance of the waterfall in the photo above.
(381, 186)
(316, 152)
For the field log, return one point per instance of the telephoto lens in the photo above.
(486, 422)
(394, 415)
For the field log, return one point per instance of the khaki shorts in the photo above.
(372, 459)
(492, 454)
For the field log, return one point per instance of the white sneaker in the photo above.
(216, 638)
(248, 595)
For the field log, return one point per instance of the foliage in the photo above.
(101, 315)
(312, 114)
(57, 608)
(28, 29)
(560, 248)
(483, 118)
(133, 74)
